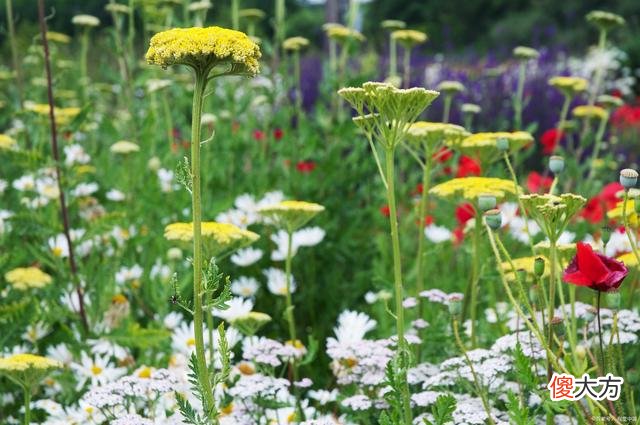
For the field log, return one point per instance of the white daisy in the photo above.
(277, 283)
(236, 307)
(246, 257)
(437, 234)
(97, 370)
(245, 286)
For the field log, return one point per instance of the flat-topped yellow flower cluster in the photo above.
(204, 47)
(470, 188)
(23, 362)
(217, 238)
(24, 278)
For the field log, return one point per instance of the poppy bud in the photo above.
(628, 178)
(556, 164)
(455, 305)
(502, 144)
(486, 201)
(493, 218)
(533, 293)
(558, 326)
(538, 266)
(613, 299)
(581, 352)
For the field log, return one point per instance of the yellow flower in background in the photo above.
(7, 142)
(470, 188)
(217, 238)
(291, 215)
(450, 87)
(204, 48)
(590, 112)
(409, 38)
(24, 362)
(23, 278)
(85, 20)
(604, 21)
(570, 86)
(393, 24)
(117, 8)
(124, 147)
(433, 132)
(295, 43)
(616, 212)
(525, 53)
(63, 115)
(485, 145)
(629, 259)
(340, 33)
(58, 37)
(252, 14)
(524, 263)
(565, 251)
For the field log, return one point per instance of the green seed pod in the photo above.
(558, 326)
(628, 178)
(538, 266)
(487, 201)
(455, 305)
(613, 299)
(556, 164)
(502, 144)
(493, 218)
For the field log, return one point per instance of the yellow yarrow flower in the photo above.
(485, 145)
(340, 33)
(524, 263)
(629, 259)
(470, 188)
(7, 142)
(590, 112)
(409, 38)
(434, 132)
(251, 14)
(124, 147)
(204, 48)
(570, 86)
(450, 87)
(604, 21)
(525, 53)
(393, 24)
(85, 20)
(295, 43)
(24, 362)
(23, 278)
(291, 215)
(63, 115)
(616, 212)
(58, 37)
(218, 238)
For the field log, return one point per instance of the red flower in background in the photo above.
(550, 139)
(593, 211)
(443, 155)
(464, 213)
(258, 135)
(428, 220)
(609, 194)
(385, 211)
(626, 116)
(305, 166)
(593, 270)
(537, 183)
(278, 133)
(468, 167)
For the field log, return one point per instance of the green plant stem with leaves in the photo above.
(235, 17)
(475, 274)
(596, 148)
(563, 118)
(403, 349)
(422, 213)
(14, 51)
(446, 110)
(406, 79)
(523, 211)
(481, 393)
(289, 303)
(393, 57)
(551, 303)
(198, 261)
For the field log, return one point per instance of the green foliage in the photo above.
(518, 412)
(183, 174)
(188, 412)
(443, 409)
(523, 369)
(135, 336)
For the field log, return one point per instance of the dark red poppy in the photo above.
(594, 270)
(593, 211)
(258, 135)
(550, 139)
(468, 166)
(305, 166)
(278, 133)
(443, 155)
(537, 183)
(385, 211)
(464, 213)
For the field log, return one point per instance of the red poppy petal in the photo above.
(590, 264)
(577, 278)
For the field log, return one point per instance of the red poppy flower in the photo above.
(428, 220)
(594, 270)
(626, 116)
(258, 135)
(609, 194)
(458, 235)
(278, 133)
(593, 211)
(464, 213)
(385, 211)
(550, 139)
(305, 166)
(443, 155)
(468, 167)
(537, 183)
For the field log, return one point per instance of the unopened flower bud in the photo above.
(558, 326)
(533, 293)
(493, 218)
(502, 144)
(581, 352)
(538, 266)
(556, 164)
(154, 163)
(628, 178)
(613, 299)
(174, 254)
(487, 201)
(455, 305)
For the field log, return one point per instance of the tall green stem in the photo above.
(406, 67)
(203, 372)
(27, 404)
(84, 50)
(397, 283)
(518, 101)
(447, 108)
(523, 211)
(14, 50)
(563, 118)
(279, 31)
(475, 275)
(393, 57)
(235, 20)
(422, 212)
(599, 75)
(289, 303)
(596, 148)
(552, 300)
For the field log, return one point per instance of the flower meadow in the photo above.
(198, 228)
